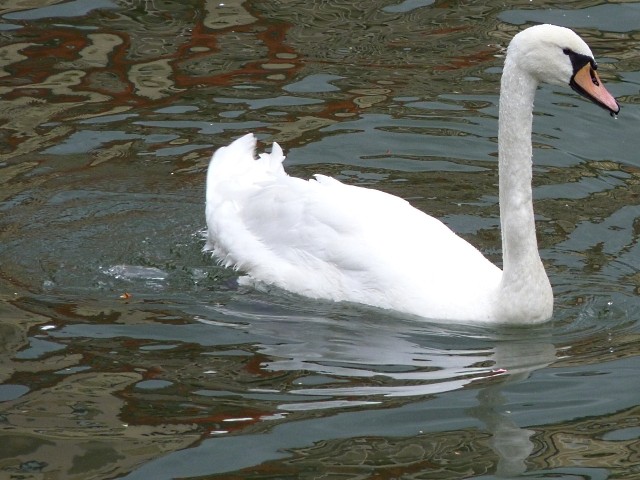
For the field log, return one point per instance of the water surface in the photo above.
(125, 352)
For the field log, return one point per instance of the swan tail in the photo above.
(272, 162)
(235, 166)
(235, 174)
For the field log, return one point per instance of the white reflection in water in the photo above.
(413, 357)
(407, 358)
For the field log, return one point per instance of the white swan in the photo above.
(327, 240)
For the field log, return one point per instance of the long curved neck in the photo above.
(523, 276)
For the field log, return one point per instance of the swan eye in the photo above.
(594, 77)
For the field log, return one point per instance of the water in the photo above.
(127, 353)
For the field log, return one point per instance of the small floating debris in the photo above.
(275, 416)
(135, 272)
(323, 405)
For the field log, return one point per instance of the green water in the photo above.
(125, 352)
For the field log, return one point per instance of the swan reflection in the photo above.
(360, 363)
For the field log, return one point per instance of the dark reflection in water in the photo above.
(127, 353)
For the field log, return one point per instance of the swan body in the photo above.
(327, 240)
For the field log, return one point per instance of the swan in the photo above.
(326, 240)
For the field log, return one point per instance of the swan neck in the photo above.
(519, 243)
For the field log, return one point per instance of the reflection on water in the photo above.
(127, 353)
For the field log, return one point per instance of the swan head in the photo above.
(557, 55)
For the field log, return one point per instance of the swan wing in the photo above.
(324, 239)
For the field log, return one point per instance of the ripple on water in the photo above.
(182, 376)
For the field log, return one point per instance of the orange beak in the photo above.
(587, 83)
